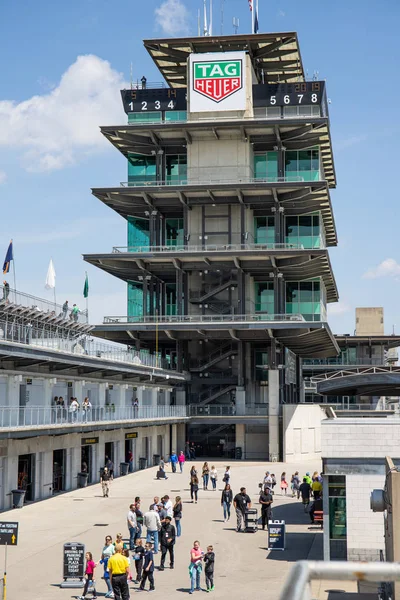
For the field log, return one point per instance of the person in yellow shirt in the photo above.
(118, 566)
(316, 487)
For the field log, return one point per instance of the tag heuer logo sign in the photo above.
(217, 81)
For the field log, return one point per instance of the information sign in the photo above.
(8, 533)
(276, 535)
(74, 561)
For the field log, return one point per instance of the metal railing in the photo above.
(216, 120)
(212, 182)
(297, 585)
(162, 319)
(40, 305)
(211, 248)
(222, 410)
(343, 361)
(56, 415)
(62, 340)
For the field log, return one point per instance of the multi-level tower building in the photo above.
(229, 218)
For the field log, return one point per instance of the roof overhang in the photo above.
(306, 339)
(362, 381)
(294, 265)
(265, 134)
(297, 198)
(275, 56)
(388, 341)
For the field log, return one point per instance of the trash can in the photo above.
(156, 459)
(124, 468)
(238, 453)
(82, 479)
(18, 497)
(142, 463)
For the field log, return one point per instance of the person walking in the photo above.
(194, 484)
(65, 309)
(195, 567)
(167, 536)
(139, 519)
(192, 451)
(177, 512)
(153, 524)
(89, 572)
(148, 567)
(132, 525)
(213, 477)
(226, 501)
(174, 460)
(181, 460)
(227, 475)
(110, 467)
(105, 482)
(86, 408)
(187, 450)
(305, 489)
(295, 485)
(107, 552)
(6, 291)
(241, 502)
(205, 472)
(267, 482)
(209, 561)
(284, 483)
(118, 566)
(138, 556)
(266, 500)
(316, 486)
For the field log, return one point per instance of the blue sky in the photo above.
(62, 66)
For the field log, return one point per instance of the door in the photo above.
(87, 461)
(26, 475)
(22, 405)
(58, 471)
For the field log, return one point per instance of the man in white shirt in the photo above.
(132, 525)
(168, 506)
(152, 522)
(268, 481)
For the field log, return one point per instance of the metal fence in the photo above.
(41, 305)
(213, 410)
(204, 318)
(66, 341)
(214, 248)
(213, 182)
(298, 583)
(58, 415)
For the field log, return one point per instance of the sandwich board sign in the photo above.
(276, 535)
(217, 81)
(73, 565)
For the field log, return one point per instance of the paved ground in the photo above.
(243, 565)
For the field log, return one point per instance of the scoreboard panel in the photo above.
(157, 99)
(288, 94)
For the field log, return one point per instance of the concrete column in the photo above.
(45, 488)
(174, 437)
(181, 437)
(180, 396)
(119, 394)
(241, 438)
(78, 391)
(240, 401)
(12, 397)
(154, 396)
(75, 466)
(273, 413)
(102, 394)
(47, 392)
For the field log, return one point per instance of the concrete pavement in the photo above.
(243, 565)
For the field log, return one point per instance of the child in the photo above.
(209, 560)
(126, 554)
(138, 555)
(284, 483)
(89, 572)
(148, 567)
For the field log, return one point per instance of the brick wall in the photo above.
(360, 438)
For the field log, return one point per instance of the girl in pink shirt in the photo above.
(181, 460)
(89, 572)
(195, 567)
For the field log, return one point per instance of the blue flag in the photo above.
(9, 257)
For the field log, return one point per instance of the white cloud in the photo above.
(338, 308)
(172, 17)
(350, 141)
(3, 176)
(387, 268)
(58, 128)
(281, 14)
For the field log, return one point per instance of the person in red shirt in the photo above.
(89, 572)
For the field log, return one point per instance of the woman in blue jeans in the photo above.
(206, 474)
(195, 567)
(226, 501)
(177, 511)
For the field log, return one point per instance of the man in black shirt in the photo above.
(241, 502)
(266, 511)
(167, 534)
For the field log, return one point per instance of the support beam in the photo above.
(215, 132)
(232, 333)
(240, 197)
(188, 137)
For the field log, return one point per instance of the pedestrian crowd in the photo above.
(157, 529)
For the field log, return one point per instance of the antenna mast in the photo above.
(222, 16)
(198, 23)
(235, 24)
(205, 28)
(211, 18)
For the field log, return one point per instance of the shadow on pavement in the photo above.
(293, 514)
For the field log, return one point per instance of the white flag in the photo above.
(51, 276)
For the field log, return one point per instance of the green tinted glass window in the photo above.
(138, 232)
(135, 299)
(144, 116)
(175, 115)
(141, 168)
(264, 230)
(174, 232)
(265, 297)
(176, 167)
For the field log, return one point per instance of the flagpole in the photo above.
(258, 17)
(15, 279)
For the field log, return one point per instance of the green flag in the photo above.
(86, 287)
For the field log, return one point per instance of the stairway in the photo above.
(207, 397)
(219, 355)
(213, 292)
